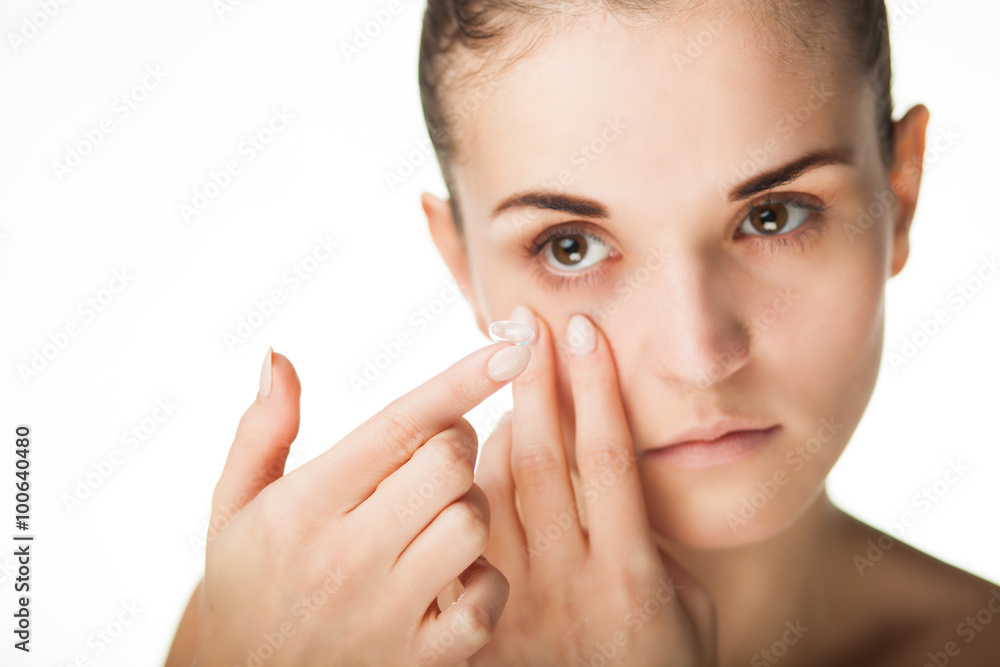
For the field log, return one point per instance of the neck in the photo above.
(760, 587)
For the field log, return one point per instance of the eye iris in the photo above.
(569, 249)
(770, 218)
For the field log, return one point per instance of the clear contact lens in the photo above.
(509, 331)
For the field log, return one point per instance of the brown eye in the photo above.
(569, 249)
(777, 218)
(769, 218)
(574, 251)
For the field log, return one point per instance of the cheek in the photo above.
(813, 363)
(827, 347)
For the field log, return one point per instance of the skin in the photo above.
(681, 343)
(685, 344)
(292, 560)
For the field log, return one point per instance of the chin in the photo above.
(709, 519)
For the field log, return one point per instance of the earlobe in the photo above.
(909, 135)
(451, 246)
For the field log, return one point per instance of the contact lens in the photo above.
(509, 331)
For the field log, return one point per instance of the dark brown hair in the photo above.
(462, 40)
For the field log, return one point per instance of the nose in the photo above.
(695, 337)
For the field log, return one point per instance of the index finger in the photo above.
(605, 456)
(387, 440)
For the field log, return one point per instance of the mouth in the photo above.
(729, 447)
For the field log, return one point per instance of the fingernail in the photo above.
(524, 315)
(508, 362)
(580, 335)
(265, 375)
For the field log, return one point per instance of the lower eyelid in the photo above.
(557, 281)
(801, 237)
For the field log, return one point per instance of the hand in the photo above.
(601, 594)
(341, 561)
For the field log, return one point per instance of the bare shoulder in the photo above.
(922, 611)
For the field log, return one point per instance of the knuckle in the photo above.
(398, 430)
(449, 463)
(534, 466)
(471, 525)
(282, 516)
(466, 434)
(604, 455)
(272, 519)
(466, 393)
(477, 623)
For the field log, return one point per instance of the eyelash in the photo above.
(559, 281)
(796, 239)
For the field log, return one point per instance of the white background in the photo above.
(162, 336)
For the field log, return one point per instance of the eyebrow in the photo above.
(789, 171)
(591, 208)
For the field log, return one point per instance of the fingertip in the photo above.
(581, 334)
(473, 567)
(508, 362)
(278, 377)
(264, 389)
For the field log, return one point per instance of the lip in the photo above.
(707, 452)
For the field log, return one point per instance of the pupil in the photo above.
(770, 219)
(570, 249)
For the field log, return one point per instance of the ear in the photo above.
(909, 133)
(451, 246)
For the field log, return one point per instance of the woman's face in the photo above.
(713, 303)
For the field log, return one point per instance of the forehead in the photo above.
(655, 109)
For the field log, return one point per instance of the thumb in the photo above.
(263, 437)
